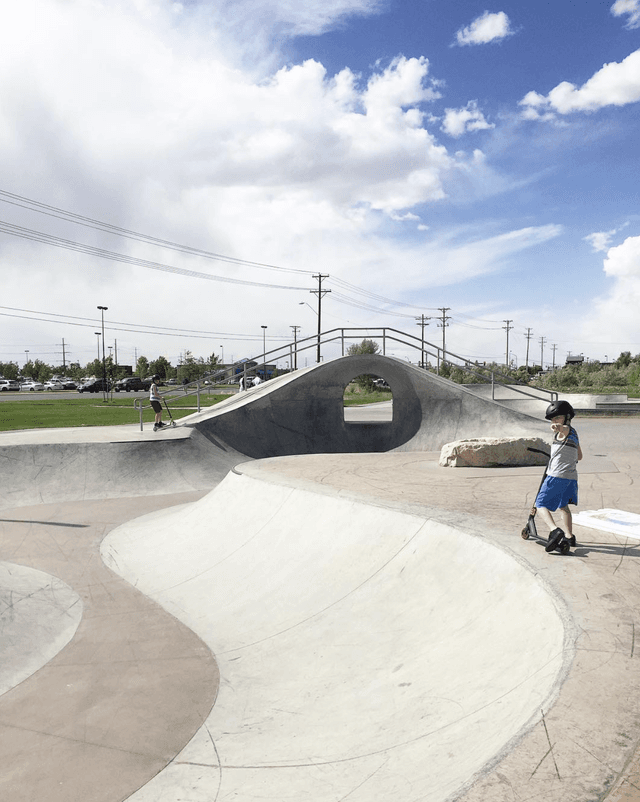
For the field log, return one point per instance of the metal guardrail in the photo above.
(292, 350)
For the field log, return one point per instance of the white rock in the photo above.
(489, 452)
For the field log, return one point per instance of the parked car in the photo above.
(68, 384)
(53, 385)
(132, 383)
(94, 386)
(9, 385)
(31, 386)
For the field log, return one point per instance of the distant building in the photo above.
(575, 360)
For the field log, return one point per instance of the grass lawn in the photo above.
(53, 413)
(375, 397)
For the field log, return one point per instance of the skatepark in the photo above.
(279, 600)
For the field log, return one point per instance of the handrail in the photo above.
(427, 349)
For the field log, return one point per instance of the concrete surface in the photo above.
(303, 413)
(382, 630)
(366, 663)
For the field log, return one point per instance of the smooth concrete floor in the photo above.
(116, 705)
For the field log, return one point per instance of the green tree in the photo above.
(142, 367)
(9, 370)
(364, 381)
(191, 368)
(161, 367)
(364, 347)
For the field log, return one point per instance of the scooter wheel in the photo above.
(565, 548)
(525, 533)
(173, 423)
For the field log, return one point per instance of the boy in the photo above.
(156, 402)
(560, 487)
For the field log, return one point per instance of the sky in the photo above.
(192, 166)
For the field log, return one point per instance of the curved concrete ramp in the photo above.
(45, 466)
(365, 653)
(303, 413)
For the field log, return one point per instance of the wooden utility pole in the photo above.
(528, 335)
(508, 329)
(422, 322)
(443, 325)
(320, 293)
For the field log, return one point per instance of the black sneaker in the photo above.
(572, 541)
(555, 538)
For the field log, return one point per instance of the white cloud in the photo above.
(460, 121)
(615, 316)
(488, 27)
(601, 240)
(630, 7)
(165, 133)
(615, 84)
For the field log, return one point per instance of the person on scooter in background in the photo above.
(560, 487)
(156, 402)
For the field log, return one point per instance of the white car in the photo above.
(9, 385)
(53, 385)
(31, 386)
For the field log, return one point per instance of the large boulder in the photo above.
(491, 452)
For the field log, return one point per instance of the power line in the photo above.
(88, 222)
(135, 328)
(71, 245)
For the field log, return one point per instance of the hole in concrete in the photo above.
(377, 396)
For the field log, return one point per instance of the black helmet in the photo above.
(155, 378)
(556, 408)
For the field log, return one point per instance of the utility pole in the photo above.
(296, 329)
(443, 325)
(103, 309)
(528, 335)
(64, 361)
(542, 342)
(508, 329)
(319, 292)
(554, 346)
(422, 323)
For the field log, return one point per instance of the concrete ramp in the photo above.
(365, 653)
(45, 466)
(303, 413)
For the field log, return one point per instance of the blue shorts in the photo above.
(556, 492)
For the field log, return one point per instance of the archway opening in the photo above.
(368, 399)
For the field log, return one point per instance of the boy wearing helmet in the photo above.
(560, 487)
(156, 402)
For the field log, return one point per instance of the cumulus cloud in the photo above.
(630, 8)
(488, 27)
(167, 133)
(616, 314)
(615, 84)
(469, 118)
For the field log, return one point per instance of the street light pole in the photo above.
(295, 346)
(103, 309)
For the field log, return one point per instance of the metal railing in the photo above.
(291, 350)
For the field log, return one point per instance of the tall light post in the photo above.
(296, 329)
(264, 351)
(98, 341)
(103, 309)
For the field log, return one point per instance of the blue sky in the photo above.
(437, 154)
